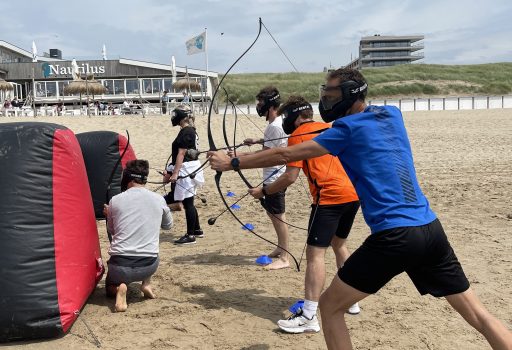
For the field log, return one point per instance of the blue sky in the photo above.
(314, 34)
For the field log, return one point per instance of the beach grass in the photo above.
(411, 80)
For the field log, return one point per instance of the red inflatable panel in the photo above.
(77, 252)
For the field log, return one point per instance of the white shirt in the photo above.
(134, 220)
(274, 131)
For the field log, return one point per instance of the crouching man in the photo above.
(134, 219)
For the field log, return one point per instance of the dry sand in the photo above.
(213, 296)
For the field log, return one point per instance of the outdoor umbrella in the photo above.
(4, 86)
(187, 84)
(81, 86)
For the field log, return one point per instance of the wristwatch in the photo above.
(235, 163)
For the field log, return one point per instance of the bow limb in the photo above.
(213, 147)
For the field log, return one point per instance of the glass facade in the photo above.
(118, 87)
(132, 86)
(388, 54)
(389, 44)
(115, 87)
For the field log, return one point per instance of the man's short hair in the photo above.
(295, 101)
(267, 93)
(346, 74)
(138, 166)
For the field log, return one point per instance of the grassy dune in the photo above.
(413, 80)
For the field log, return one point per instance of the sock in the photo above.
(309, 309)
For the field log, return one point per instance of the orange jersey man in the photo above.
(335, 204)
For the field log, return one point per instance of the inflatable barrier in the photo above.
(50, 258)
(101, 151)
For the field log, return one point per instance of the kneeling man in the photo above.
(134, 219)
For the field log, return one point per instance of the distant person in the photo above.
(102, 107)
(15, 103)
(7, 104)
(186, 97)
(127, 107)
(134, 218)
(110, 109)
(59, 107)
(165, 101)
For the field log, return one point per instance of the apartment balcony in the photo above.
(411, 57)
(369, 48)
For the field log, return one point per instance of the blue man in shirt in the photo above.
(372, 144)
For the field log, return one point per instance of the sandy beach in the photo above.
(213, 296)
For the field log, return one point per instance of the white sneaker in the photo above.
(354, 309)
(298, 323)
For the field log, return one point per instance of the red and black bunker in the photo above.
(50, 258)
(105, 155)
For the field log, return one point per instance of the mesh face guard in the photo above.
(268, 101)
(291, 115)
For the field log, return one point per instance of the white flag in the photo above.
(104, 52)
(196, 44)
(34, 52)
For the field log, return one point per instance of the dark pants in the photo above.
(191, 216)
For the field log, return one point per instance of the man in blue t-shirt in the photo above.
(372, 144)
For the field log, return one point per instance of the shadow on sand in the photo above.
(245, 300)
(214, 258)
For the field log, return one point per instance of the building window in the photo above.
(40, 89)
(109, 84)
(388, 54)
(146, 86)
(119, 87)
(391, 44)
(132, 86)
(168, 85)
(51, 88)
(61, 85)
(157, 85)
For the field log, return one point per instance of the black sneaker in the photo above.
(186, 239)
(199, 234)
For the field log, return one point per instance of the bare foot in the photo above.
(121, 304)
(278, 264)
(275, 253)
(147, 291)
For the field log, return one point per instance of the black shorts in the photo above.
(275, 202)
(423, 252)
(330, 220)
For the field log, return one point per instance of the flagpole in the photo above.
(206, 56)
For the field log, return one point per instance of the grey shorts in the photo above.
(123, 274)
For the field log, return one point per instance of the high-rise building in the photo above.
(383, 51)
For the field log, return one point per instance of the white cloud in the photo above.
(313, 33)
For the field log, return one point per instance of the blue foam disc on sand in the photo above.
(235, 207)
(248, 226)
(295, 307)
(263, 260)
(230, 194)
